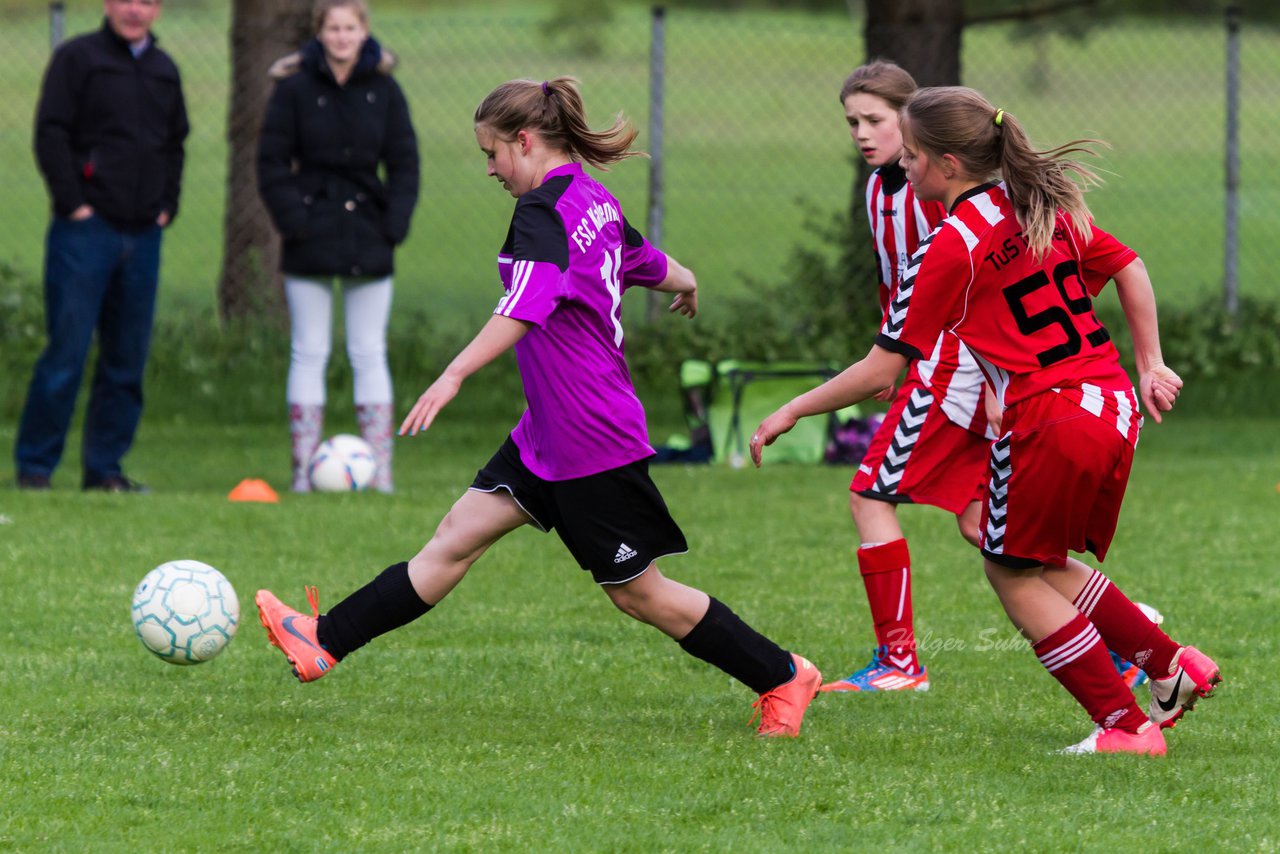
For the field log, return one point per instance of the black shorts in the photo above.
(614, 523)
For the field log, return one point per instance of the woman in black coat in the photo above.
(336, 116)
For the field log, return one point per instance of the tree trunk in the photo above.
(261, 32)
(923, 36)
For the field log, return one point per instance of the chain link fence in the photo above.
(755, 153)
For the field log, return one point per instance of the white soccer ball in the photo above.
(185, 611)
(1150, 613)
(344, 463)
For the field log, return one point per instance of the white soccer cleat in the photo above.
(1151, 613)
(1194, 675)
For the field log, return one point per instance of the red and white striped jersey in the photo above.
(899, 223)
(1029, 323)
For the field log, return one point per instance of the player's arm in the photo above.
(876, 371)
(916, 318)
(681, 282)
(1158, 384)
(645, 265)
(498, 336)
(993, 407)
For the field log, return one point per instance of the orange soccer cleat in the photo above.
(782, 709)
(294, 634)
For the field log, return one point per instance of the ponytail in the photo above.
(554, 109)
(989, 142)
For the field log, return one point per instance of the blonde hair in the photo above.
(887, 80)
(554, 109)
(323, 7)
(959, 121)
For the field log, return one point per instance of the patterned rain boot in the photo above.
(375, 428)
(305, 423)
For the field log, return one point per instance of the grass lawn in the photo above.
(525, 714)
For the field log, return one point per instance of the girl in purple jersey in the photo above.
(577, 461)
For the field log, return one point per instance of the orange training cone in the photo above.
(253, 489)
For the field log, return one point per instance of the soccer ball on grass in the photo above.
(343, 463)
(185, 611)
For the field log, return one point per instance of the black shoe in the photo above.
(34, 482)
(115, 483)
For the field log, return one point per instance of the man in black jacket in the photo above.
(110, 128)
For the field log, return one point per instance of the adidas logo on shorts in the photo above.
(625, 552)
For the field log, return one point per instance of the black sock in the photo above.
(721, 638)
(388, 602)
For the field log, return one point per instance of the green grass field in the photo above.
(526, 714)
(754, 137)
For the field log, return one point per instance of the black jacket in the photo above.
(318, 160)
(110, 130)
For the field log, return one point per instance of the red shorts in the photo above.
(1057, 478)
(920, 456)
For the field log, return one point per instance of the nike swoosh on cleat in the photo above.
(287, 625)
(1173, 697)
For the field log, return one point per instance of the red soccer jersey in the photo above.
(1029, 323)
(899, 223)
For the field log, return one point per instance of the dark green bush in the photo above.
(22, 336)
(825, 310)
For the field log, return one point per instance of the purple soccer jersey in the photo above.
(568, 256)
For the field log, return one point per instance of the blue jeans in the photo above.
(95, 278)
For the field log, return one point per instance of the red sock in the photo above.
(886, 572)
(1124, 627)
(1076, 656)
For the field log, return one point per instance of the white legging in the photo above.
(366, 307)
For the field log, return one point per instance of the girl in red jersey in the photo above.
(1011, 272)
(932, 446)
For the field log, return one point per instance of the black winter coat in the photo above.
(110, 130)
(318, 160)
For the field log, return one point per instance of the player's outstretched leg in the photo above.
(294, 634)
(315, 644)
(709, 630)
(1193, 675)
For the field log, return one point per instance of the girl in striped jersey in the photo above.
(933, 443)
(1011, 271)
(577, 461)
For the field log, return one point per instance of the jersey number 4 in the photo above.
(611, 272)
(1061, 316)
